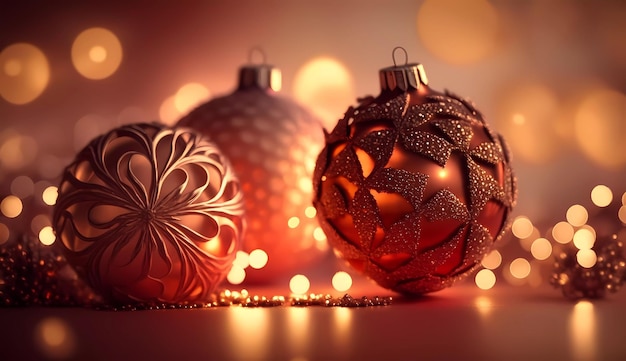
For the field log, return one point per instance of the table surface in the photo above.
(460, 323)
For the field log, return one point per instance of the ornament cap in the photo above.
(404, 78)
(259, 76)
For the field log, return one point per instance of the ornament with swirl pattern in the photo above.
(413, 188)
(148, 213)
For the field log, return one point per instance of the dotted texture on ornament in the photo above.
(149, 213)
(272, 143)
(414, 195)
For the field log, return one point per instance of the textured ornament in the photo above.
(148, 213)
(413, 188)
(272, 143)
(607, 274)
(32, 274)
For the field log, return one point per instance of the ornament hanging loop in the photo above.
(257, 50)
(393, 56)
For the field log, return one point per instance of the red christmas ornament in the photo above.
(148, 213)
(272, 143)
(413, 188)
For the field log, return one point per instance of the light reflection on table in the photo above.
(506, 323)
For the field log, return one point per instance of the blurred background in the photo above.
(549, 75)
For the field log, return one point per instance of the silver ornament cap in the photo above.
(402, 78)
(259, 76)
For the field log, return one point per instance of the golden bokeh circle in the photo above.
(96, 53)
(24, 73)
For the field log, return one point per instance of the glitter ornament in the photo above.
(272, 143)
(147, 213)
(32, 274)
(413, 188)
(608, 273)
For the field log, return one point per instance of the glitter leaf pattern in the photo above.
(414, 229)
(149, 213)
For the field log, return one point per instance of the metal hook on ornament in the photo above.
(258, 50)
(393, 55)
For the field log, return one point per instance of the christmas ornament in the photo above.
(607, 274)
(413, 188)
(148, 213)
(272, 143)
(32, 274)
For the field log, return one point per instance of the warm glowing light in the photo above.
(443, 173)
(299, 284)
(55, 338)
(541, 249)
(520, 268)
(258, 259)
(527, 114)
(236, 275)
(11, 206)
(242, 259)
(50, 195)
(342, 281)
(40, 221)
(310, 212)
(483, 304)
(563, 232)
(485, 279)
(4, 233)
(293, 222)
(584, 238)
(189, 96)
(599, 127)
(168, 114)
(319, 235)
(325, 86)
(577, 215)
(25, 73)
(601, 195)
(522, 227)
(526, 243)
(47, 236)
(583, 331)
(492, 260)
(17, 151)
(621, 214)
(586, 258)
(458, 32)
(96, 53)
(22, 186)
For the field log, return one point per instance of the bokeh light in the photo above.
(11, 206)
(586, 258)
(600, 127)
(189, 96)
(341, 281)
(541, 249)
(577, 215)
(526, 116)
(96, 53)
(4, 233)
(168, 114)
(324, 85)
(55, 338)
(236, 275)
(22, 186)
(485, 279)
(458, 32)
(47, 236)
(49, 195)
(17, 151)
(601, 195)
(24, 73)
(492, 260)
(584, 238)
(522, 227)
(563, 232)
(258, 258)
(520, 268)
(299, 284)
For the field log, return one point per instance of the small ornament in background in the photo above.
(605, 272)
(272, 143)
(32, 274)
(413, 188)
(148, 213)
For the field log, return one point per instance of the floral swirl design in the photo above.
(150, 213)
